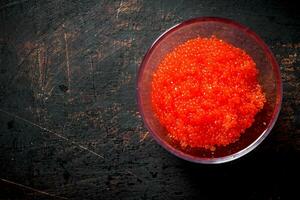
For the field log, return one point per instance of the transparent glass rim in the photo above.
(275, 114)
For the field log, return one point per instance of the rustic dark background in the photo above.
(69, 124)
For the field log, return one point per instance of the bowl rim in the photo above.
(275, 113)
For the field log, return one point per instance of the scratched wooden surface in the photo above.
(69, 125)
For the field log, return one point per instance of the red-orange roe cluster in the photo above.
(205, 93)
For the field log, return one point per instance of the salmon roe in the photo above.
(205, 93)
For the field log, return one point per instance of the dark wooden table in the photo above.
(69, 124)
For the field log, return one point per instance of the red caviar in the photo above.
(205, 93)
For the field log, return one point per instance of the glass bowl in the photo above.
(239, 36)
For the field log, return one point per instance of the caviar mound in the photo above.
(205, 93)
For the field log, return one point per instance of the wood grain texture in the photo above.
(69, 124)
